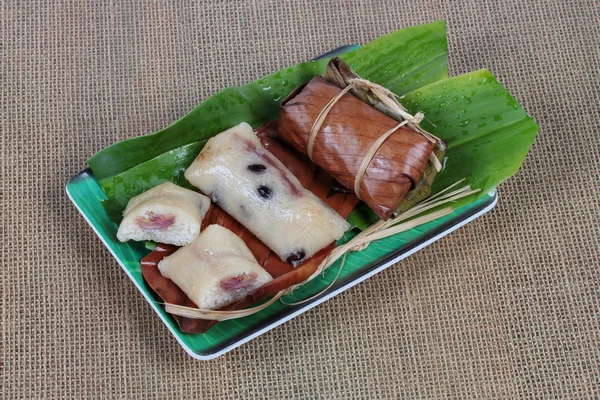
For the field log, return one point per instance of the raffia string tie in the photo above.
(369, 156)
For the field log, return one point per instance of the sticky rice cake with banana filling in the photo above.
(215, 270)
(167, 213)
(255, 188)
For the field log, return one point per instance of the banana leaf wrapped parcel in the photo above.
(364, 149)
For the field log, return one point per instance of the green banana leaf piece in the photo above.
(402, 60)
(488, 133)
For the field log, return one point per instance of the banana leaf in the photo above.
(402, 61)
(488, 133)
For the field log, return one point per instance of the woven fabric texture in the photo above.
(506, 307)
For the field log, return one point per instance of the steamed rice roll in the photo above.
(215, 270)
(166, 213)
(255, 188)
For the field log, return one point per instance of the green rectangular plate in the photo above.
(86, 194)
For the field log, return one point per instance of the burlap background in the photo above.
(507, 307)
